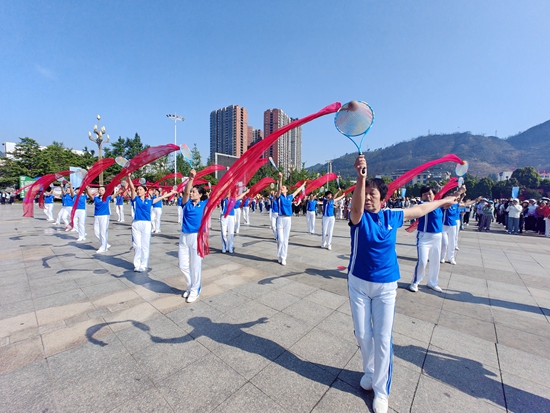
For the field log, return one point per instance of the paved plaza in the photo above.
(81, 332)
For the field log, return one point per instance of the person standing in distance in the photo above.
(372, 277)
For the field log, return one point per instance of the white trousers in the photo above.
(64, 215)
(458, 223)
(327, 230)
(156, 213)
(101, 230)
(120, 212)
(448, 242)
(428, 246)
(180, 214)
(141, 241)
(283, 234)
(310, 218)
(48, 210)
(228, 232)
(79, 222)
(238, 220)
(373, 308)
(246, 215)
(273, 218)
(190, 262)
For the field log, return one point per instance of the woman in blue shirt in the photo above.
(48, 204)
(102, 214)
(190, 262)
(372, 277)
(141, 225)
(284, 204)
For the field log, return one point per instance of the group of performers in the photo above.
(373, 268)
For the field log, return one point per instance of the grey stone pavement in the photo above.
(81, 332)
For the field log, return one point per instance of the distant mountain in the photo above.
(486, 154)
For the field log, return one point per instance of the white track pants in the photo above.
(328, 229)
(228, 232)
(64, 215)
(120, 212)
(310, 218)
(141, 241)
(428, 245)
(448, 242)
(48, 210)
(238, 213)
(273, 218)
(101, 230)
(283, 234)
(79, 222)
(180, 214)
(156, 213)
(373, 308)
(190, 262)
(246, 215)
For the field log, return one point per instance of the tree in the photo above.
(527, 177)
(482, 188)
(196, 160)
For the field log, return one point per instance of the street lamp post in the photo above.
(176, 118)
(99, 140)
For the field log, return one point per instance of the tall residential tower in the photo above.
(229, 131)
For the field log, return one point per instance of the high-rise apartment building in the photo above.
(229, 131)
(287, 151)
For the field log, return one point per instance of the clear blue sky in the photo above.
(444, 66)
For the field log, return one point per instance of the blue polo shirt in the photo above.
(67, 200)
(274, 205)
(120, 200)
(373, 257)
(285, 205)
(192, 216)
(451, 215)
(328, 208)
(312, 205)
(157, 204)
(142, 209)
(101, 207)
(225, 205)
(48, 199)
(432, 221)
(81, 202)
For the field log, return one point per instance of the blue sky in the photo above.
(440, 66)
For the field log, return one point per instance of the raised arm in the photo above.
(423, 209)
(358, 198)
(279, 185)
(132, 187)
(188, 186)
(298, 190)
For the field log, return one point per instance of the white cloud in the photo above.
(45, 72)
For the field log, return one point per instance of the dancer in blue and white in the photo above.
(79, 220)
(284, 204)
(67, 202)
(141, 225)
(156, 213)
(311, 207)
(190, 262)
(246, 210)
(328, 219)
(273, 213)
(372, 277)
(119, 201)
(48, 204)
(227, 223)
(102, 215)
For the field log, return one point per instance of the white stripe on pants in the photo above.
(448, 242)
(310, 217)
(328, 229)
(101, 230)
(283, 234)
(428, 245)
(141, 241)
(228, 229)
(190, 262)
(373, 308)
(80, 222)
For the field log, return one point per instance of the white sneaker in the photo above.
(108, 246)
(436, 288)
(279, 260)
(457, 249)
(453, 262)
(283, 262)
(185, 294)
(192, 297)
(366, 382)
(413, 287)
(380, 405)
(442, 261)
(101, 250)
(329, 247)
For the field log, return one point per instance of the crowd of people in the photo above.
(373, 269)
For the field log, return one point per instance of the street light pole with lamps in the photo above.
(176, 118)
(99, 141)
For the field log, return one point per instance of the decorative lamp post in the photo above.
(99, 140)
(176, 118)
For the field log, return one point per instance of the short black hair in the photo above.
(202, 192)
(328, 193)
(378, 184)
(425, 188)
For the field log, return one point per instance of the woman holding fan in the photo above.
(372, 277)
